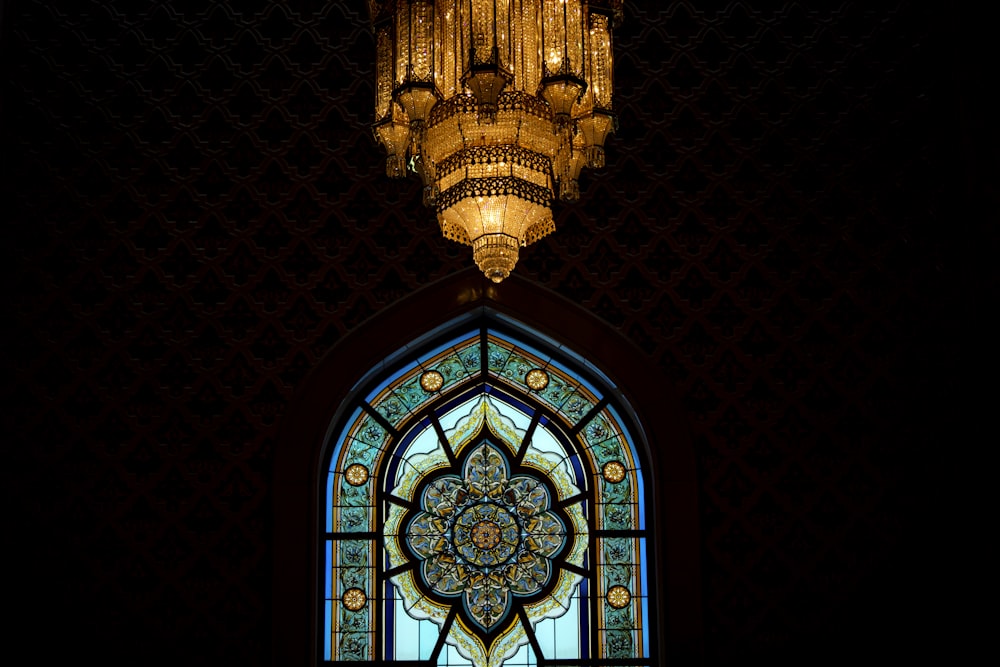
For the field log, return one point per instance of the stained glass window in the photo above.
(485, 506)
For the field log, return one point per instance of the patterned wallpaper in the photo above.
(195, 212)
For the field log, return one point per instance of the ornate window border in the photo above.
(490, 383)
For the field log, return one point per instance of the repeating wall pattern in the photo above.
(196, 212)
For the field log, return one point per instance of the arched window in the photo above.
(485, 504)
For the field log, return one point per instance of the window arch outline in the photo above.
(554, 356)
(297, 496)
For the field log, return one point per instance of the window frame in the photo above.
(488, 325)
(305, 426)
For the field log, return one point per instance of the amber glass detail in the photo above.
(356, 474)
(486, 534)
(355, 599)
(431, 381)
(613, 471)
(618, 597)
(536, 379)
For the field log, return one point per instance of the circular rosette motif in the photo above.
(486, 536)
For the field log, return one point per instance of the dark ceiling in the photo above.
(788, 227)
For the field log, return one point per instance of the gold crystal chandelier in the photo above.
(497, 105)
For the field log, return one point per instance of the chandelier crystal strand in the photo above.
(497, 105)
(392, 127)
(595, 117)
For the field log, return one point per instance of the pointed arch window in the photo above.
(485, 505)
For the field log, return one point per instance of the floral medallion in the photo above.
(486, 536)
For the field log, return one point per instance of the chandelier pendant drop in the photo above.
(497, 105)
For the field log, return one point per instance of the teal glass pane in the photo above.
(352, 570)
(367, 438)
(606, 442)
(363, 447)
(617, 492)
(450, 363)
(618, 644)
(411, 394)
(353, 506)
(350, 508)
(456, 359)
(567, 397)
(602, 435)
(353, 520)
(470, 357)
(576, 407)
(623, 629)
(617, 516)
(612, 416)
(451, 369)
(557, 392)
(516, 367)
(350, 495)
(496, 357)
(392, 407)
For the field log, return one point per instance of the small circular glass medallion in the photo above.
(618, 596)
(356, 474)
(486, 534)
(536, 379)
(431, 381)
(613, 471)
(355, 598)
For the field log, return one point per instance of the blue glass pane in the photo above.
(327, 616)
(329, 502)
(328, 570)
(644, 599)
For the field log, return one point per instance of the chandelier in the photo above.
(497, 105)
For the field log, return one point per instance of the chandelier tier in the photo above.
(497, 105)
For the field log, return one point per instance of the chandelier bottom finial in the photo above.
(495, 255)
(497, 226)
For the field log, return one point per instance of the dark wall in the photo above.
(194, 212)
